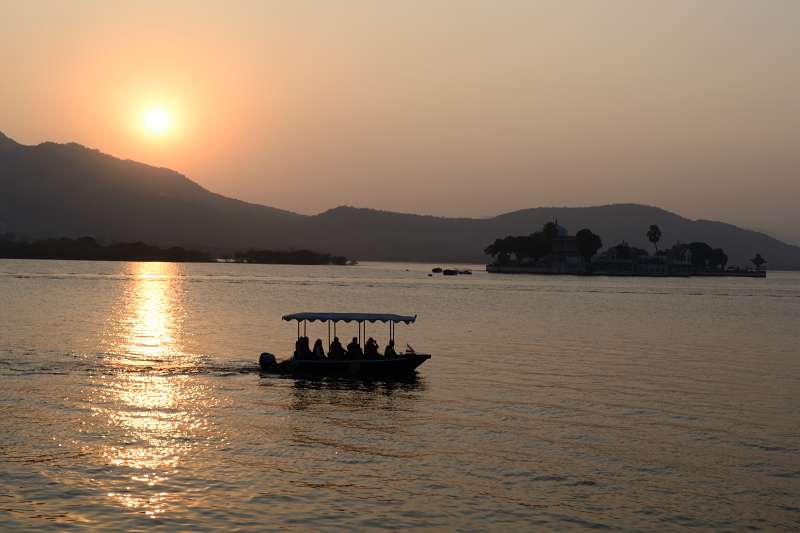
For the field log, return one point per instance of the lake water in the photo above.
(130, 399)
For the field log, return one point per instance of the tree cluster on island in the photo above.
(702, 256)
(88, 249)
(528, 250)
(517, 250)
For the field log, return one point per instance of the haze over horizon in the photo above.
(425, 108)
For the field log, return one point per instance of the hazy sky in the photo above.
(451, 108)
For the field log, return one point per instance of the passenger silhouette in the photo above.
(376, 348)
(371, 349)
(301, 349)
(354, 350)
(389, 352)
(319, 351)
(337, 350)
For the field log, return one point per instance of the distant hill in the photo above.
(393, 236)
(68, 190)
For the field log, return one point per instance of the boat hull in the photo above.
(399, 366)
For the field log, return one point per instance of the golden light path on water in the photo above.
(154, 409)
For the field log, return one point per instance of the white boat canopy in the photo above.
(350, 317)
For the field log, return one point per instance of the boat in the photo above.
(403, 364)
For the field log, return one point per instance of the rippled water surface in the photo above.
(130, 398)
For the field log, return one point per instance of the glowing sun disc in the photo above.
(157, 121)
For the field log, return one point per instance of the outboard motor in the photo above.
(267, 361)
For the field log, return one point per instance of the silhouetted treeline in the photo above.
(518, 249)
(552, 239)
(294, 257)
(88, 249)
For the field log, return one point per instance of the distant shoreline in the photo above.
(88, 249)
(208, 262)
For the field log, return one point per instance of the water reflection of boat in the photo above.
(346, 392)
(397, 365)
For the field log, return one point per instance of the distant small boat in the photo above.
(402, 364)
(451, 271)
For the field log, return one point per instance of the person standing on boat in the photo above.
(354, 350)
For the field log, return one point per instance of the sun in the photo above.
(157, 121)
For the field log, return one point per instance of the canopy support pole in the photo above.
(329, 335)
(304, 329)
(298, 329)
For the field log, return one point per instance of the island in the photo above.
(552, 250)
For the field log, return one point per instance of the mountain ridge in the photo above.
(69, 190)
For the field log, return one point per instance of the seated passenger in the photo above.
(319, 351)
(354, 350)
(389, 352)
(298, 348)
(302, 351)
(371, 349)
(337, 350)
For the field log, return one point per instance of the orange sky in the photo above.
(452, 108)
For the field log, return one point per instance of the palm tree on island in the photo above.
(654, 235)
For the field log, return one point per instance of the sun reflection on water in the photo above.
(154, 410)
(152, 319)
